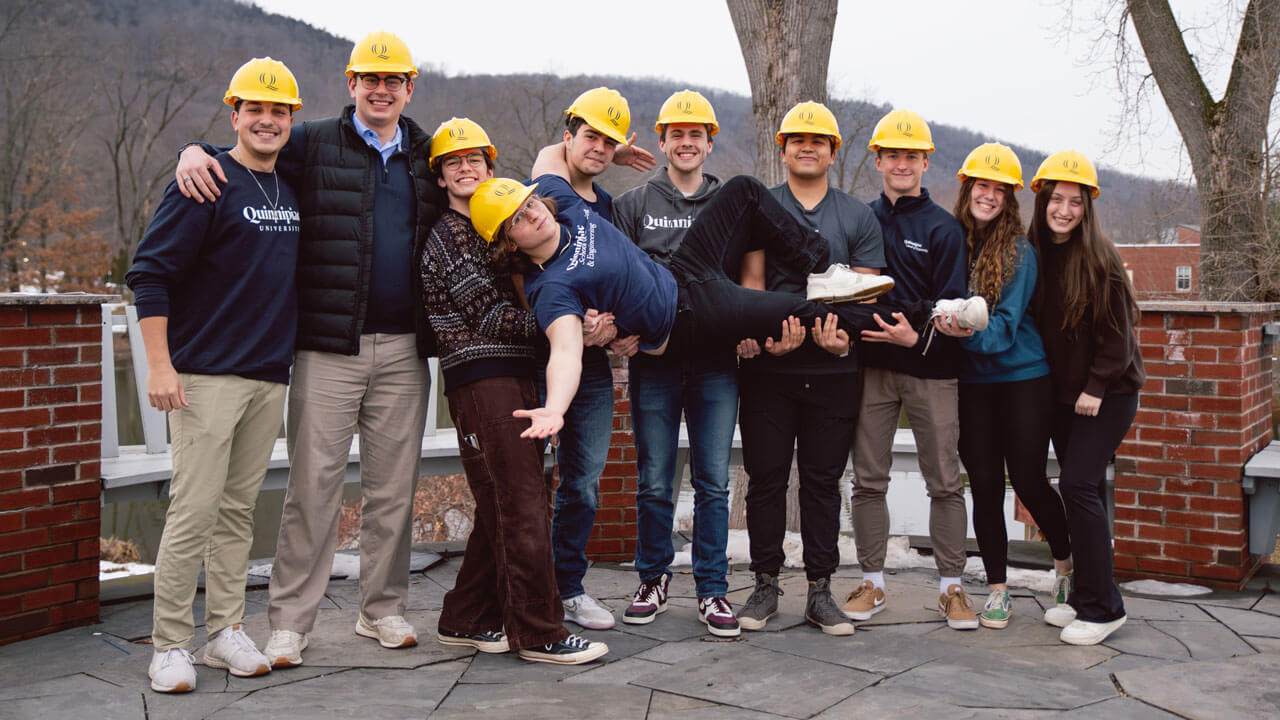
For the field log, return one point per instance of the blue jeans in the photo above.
(583, 450)
(660, 389)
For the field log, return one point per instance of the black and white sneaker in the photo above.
(650, 600)
(492, 641)
(573, 650)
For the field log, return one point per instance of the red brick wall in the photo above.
(50, 434)
(613, 539)
(1154, 268)
(1205, 410)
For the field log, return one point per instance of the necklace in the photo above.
(270, 202)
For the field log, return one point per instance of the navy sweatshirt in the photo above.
(925, 256)
(223, 273)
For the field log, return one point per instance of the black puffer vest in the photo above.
(335, 251)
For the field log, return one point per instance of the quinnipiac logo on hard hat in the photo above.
(615, 116)
(685, 106)
(380, 51)
(505, 189)
(458, 133)
(1071, 166)
(993, 161)
(807, 118)
(268, 81)
(904, 128)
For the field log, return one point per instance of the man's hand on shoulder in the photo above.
(195, 175)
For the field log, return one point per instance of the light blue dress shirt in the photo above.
(385, 149)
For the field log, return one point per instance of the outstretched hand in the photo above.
(544, 422)
(633, 156)
(899, 333)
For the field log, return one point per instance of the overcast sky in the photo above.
(1023, 71)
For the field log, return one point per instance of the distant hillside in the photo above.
(131, 44)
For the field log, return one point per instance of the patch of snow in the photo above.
(108, 570)
(345, 565)
(1159, 587)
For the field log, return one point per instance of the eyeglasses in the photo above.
(453, 162)
(523, 212)
(393, 83)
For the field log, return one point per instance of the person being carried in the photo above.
(589, 263)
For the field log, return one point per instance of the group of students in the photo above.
(824, 316)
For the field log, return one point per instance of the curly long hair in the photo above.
(1092, 265)
(993, 249)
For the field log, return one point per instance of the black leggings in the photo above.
(1084, 446)
(1008, 424)
(713, 308)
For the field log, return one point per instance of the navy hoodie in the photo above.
(925, 255)
(223, 273)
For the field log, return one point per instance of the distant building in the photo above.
(1168, 269)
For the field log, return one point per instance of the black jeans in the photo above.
(507, 579)
(713, 308)
(1084, 446)
(816, 415)
(1008, 424)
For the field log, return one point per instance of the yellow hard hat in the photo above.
(687, 106)
(809, 117)
(264, 80)
(1068, 166)
(993, 161)
(381, 52)
(605, 110)
(901, 130)
(495, 200)
(459, 134)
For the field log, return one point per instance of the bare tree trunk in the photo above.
(1225, 139)
(786, 45)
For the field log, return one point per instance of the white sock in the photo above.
(946, 582)
(876, 578)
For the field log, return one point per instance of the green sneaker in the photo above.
(997, 611)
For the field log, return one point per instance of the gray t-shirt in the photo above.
(853, 233)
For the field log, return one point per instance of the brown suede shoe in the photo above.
(954, 606)
(863, 602)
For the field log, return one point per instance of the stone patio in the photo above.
(1213, 656)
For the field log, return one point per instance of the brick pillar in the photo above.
(613, 539)
(50, 434)
(1205, 410)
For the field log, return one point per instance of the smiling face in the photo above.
(807, 155)
(261, 127)
(461, 171)
(987, 200)
(903, 170)
(533, 230)
(686, 146)
(376, 105)
(589, 151)
(1065, 210)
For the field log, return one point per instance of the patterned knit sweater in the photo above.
(483, 329)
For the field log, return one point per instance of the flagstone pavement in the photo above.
(1213, 656)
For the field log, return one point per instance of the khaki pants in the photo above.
(221, 446)
(383, 392)
(932, 408)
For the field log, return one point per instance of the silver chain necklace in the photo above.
(255, 181)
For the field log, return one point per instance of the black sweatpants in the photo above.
(1007, 425)
(1084, 446)
(714, 309)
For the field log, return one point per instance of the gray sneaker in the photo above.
(763, 603)
(821, 609)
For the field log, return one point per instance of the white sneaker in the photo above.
(392, 631)
(840, 283)
(233, 650)
(588, 613)
(172, 671)
(1083, 632)
(1061, 614)
(284, 648)
(969, 312)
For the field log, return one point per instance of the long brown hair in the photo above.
(1092, 264)
(993, 250)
